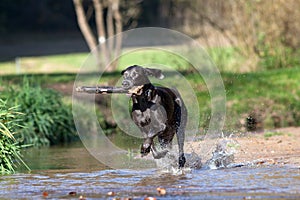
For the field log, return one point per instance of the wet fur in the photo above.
(157, 111)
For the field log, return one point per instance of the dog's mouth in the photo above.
(136, 90)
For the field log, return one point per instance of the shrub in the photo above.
(47, 119)
(10, 157)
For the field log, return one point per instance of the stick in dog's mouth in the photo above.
(108, 89)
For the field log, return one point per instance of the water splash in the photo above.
(221, 156)
(206, 154)
(169, 164)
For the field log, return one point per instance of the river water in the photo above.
(70, 172)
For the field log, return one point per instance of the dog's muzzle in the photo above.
(127, 84)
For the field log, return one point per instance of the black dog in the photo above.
(157, 111)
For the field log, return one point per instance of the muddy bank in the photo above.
(276, 147)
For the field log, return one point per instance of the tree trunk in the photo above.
(118, 24)
(109, 50)
(101, 30)
(83, 25)
(110, 27)
(85, 29)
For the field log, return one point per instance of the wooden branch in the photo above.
(83, 25)
(101, 89)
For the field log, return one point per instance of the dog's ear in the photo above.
(157, 73)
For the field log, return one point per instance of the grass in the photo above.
(226, 58)
(10, 157)
(267, 135)
(269, 96)
(67, 63)
(272, 96)
(46, 121)
(153, 56)
(71, 63)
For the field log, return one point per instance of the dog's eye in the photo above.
(134, 74)
(125, 74)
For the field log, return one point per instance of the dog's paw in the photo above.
(181, 161)
(145, 149)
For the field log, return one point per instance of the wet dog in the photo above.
(157, 111)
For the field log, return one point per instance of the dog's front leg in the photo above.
(146, 146)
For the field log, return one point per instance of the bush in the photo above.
(47, 120)
(10, 156)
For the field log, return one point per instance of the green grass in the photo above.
(67, 63)
(153, 56)
(226, 59)
(267, 135)
(271, 96)
(10, 157)
(47, 120)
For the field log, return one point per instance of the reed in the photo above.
(10, 157)
(47, 120)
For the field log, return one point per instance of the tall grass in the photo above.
(10, 157)
(47, 120)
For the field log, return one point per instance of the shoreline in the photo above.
(279, 147)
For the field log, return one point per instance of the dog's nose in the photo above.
(126, 84)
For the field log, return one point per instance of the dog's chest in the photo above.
(140, 118)
(144, 109)
(141, 110)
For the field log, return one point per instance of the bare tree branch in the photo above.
(118, 19)
(110, 26)
(83, 25)
(110, 49)
(101, 30)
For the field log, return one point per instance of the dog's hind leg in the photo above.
(181, 115)
(180, 139)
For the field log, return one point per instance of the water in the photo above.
(70, 173)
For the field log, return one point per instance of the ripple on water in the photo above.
(228, 183)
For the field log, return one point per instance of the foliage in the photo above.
(267, 135)
(47, 120)
(254, 27)
(10, 157)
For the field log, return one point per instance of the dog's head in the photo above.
(135, 75)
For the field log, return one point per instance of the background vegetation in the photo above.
(10, 156)
(46, 121)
